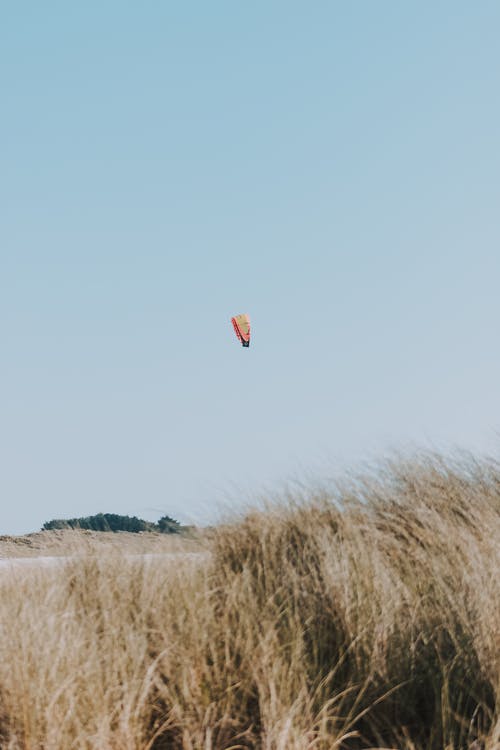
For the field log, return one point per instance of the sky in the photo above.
(330, 168)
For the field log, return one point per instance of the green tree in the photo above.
(168, 525)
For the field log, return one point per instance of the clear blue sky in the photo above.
(331, 168)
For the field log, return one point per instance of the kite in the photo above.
(241, 325)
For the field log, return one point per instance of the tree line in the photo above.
(115, 522)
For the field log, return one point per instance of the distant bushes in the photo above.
(115, 522)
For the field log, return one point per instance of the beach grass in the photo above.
(365, 614)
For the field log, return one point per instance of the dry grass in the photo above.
(365, 616)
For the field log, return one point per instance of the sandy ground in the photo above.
(55, 561)
(68, 543)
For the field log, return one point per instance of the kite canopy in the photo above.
(241, 325)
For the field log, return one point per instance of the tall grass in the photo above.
(366, 615)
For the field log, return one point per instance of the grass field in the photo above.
(365, 615)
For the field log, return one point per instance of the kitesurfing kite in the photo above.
(241, 325)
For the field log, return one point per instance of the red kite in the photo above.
(241, 325)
